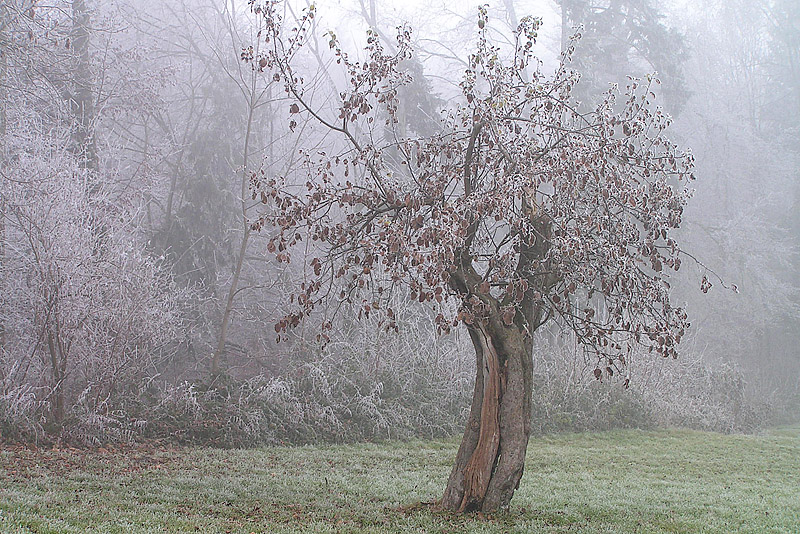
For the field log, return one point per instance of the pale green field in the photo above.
(615, 482)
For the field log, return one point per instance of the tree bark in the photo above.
(82, 98)
(3, 160)
(57, 391)
(491, 458)
(454, 493)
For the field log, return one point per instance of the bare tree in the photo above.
(4, 14)
(86, 311)
(82, 95)
(255, 94)
(214, 128)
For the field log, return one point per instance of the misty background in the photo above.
(137, 301)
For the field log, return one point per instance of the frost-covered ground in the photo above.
(621, 481)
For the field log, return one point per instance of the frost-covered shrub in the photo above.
(20, 413)
(687, 392)
(559, 405)
(708, 396)
(366, 384)
(85, 311)
(336, 395)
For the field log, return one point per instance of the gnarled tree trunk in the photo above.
(491, 458)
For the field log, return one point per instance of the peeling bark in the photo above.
(454, 493)
(491, 458)
(515, 426)
(478, 470)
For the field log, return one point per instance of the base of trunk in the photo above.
(491, 458)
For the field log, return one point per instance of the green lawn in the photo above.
(622, 481)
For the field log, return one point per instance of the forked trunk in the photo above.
(491, 457)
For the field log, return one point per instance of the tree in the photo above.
(781, 66)
(741, 216)
(86, 312)
(3, 69)
(81, 96)
(619, 38)
(199, 134)
(89, 327)
(520, 211)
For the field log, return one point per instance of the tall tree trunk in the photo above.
(564, 26)
(253, 101)
(491, 458)
(82, 99)
(3, 160)
(84, 115)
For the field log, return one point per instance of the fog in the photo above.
(158, 157)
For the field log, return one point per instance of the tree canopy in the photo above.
(520, 206)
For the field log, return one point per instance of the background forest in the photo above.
(137, 301)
